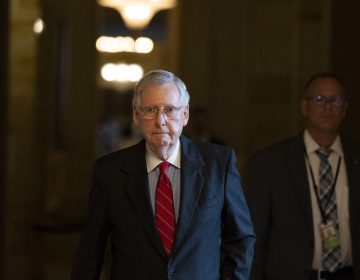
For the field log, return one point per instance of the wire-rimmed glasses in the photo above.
(149, 112)
(320, 100)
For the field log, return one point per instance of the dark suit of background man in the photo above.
(284, 195)
(213, 236)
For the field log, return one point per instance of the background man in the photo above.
(304, 194)
(171, 206)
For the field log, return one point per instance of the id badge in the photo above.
(329, 235)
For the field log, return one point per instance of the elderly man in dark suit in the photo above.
(304, 195)
(173, 208)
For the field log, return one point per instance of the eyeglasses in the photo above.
(149, 112)
(336, 101)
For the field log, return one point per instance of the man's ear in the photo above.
(186, 115)
(303, 106)
(135, 116)
(346, 104)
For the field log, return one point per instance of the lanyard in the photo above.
(322, 211)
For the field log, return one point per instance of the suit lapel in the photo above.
(192, 181)
(138, 192)
(299, 177)
(352, 161)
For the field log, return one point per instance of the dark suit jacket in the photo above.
(280, 205)
(213, 218)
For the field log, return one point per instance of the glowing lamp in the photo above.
(138, 13)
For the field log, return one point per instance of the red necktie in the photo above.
(164, 209)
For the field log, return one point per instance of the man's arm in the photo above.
(258, 198)
(90, 252)
(238, 238)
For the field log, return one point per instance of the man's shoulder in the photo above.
(206, 153)
(205, 147)
(351, 148)
(350, 142)
(123, 156)
(286, 145)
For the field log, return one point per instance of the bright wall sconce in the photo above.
(38, 26)
(121, 72)
(138, 13)
(124, 44)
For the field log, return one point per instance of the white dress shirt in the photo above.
(342, 199)
(173, 172)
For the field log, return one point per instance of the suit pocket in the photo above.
(209, 209)
(208, 203)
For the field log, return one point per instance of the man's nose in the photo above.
(328, 103)
(160, 117)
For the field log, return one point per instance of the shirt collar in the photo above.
(152, 161)
(311, 146)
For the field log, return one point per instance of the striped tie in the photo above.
(164, 209)
(331, 257)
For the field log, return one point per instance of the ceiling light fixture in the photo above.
(138, 13)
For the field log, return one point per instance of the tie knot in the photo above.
(164, 166)
(323, 153)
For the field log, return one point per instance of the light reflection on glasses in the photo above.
(149, 112)
(320, 100)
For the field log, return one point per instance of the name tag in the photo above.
(330, 235)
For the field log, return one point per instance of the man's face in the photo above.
(163, 130)
(324, 106)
